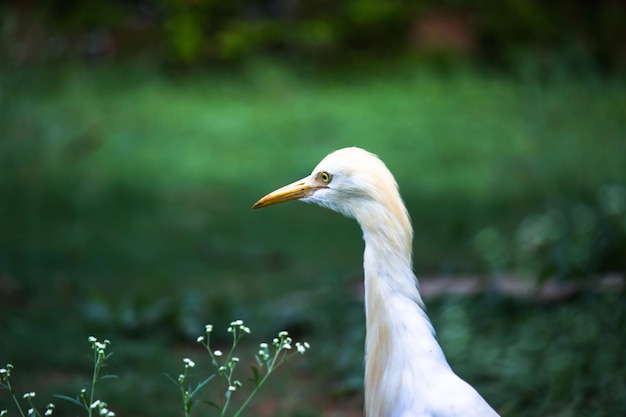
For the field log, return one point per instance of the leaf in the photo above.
(257, 378)
(201, 384)
(108, 376)
(171, 379)
(212, 404)
(70, 399)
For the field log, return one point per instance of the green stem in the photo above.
(17, 403)
(270, 368)
(183, 393)
(226, 403)
(229, 373)
(252, 394)
(30, 403)
(94, 379)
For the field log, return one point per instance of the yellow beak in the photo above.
(294, 191)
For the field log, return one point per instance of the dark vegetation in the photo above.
(135, 136)
(579, 33)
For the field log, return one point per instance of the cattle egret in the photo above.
(406, 372)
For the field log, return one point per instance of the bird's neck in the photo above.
(388, 237)
(400, 343)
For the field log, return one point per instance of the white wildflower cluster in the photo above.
(264, 353)
(238, 325)
(5, 372)
(99, 347)
(102, 408)
(29, 397)
(237, 328)
(229, 366)
(270, 356)
(236, 384)
(302, 347)
(188, 365)
(208, 329)
(281, 343)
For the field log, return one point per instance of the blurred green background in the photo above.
(136, 135)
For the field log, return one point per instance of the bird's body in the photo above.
(406, 372)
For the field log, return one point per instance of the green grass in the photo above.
(125, 202)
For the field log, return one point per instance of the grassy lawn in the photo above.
(125, 213)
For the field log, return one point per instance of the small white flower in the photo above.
(3, 371)
(31, 411)
(48, 412)
(300, 348)
(234, 359)
(3, 413)
(218, 353)
(229, 330)
(110, 414)
(200, 339)
(263, 355)
(208, 328)
(189, 363)
(29, 395)
(237, 323)
(91, 339)
(283, 334)
(245, 329)
(306, 345)
(263, 345)
(232, 388)
(95, 404)
(286, 346)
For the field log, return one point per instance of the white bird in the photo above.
(406, 372)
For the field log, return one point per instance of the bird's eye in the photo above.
(325, 177)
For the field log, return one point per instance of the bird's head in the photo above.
(351, 181)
